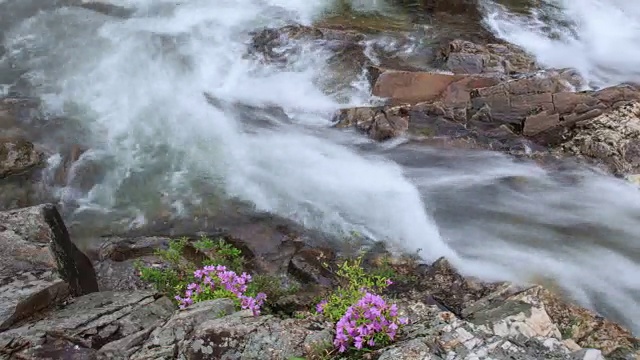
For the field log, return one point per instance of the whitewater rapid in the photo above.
(599, 38)
(131, 89)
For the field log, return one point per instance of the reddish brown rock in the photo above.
(530, 115)
(407, 87)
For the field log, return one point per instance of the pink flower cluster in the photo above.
(369, 319)
(210, 276)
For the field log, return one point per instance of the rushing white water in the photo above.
(137, 86)
(132, 90)
(599, 38)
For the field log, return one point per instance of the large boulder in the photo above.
(343, 50)
(41, 267)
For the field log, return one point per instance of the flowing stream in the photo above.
(130, 88)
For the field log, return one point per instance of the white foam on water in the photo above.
(137, 85)
(599, 38)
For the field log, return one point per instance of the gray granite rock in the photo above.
(39, 265)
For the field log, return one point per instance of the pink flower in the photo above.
(321, 305)
(229, 280)
(364, 321)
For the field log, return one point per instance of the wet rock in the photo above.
(87, 324)
(435, 124)
(122, 249)
(380, 123)
(17, 110)
(270, 245)
(538, 116)
(69, 158)
(503, 60)
(306, 266)
(18, 156)
(276, 44)
(455, 7)
(511, 102)
(41, 267)
(103, 7)
(343, 49)
(414, 87)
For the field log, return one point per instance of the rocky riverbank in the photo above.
(56, 306)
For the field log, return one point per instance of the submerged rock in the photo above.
(274, 45)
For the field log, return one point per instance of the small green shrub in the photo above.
(355, 283)
(221, 253)
(171, 279)
(179, 279)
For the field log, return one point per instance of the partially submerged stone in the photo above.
(501, 60)
(18, 156)
(40, 267)
(15, 110)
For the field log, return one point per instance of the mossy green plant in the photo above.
(355, 282)
(176, 274)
